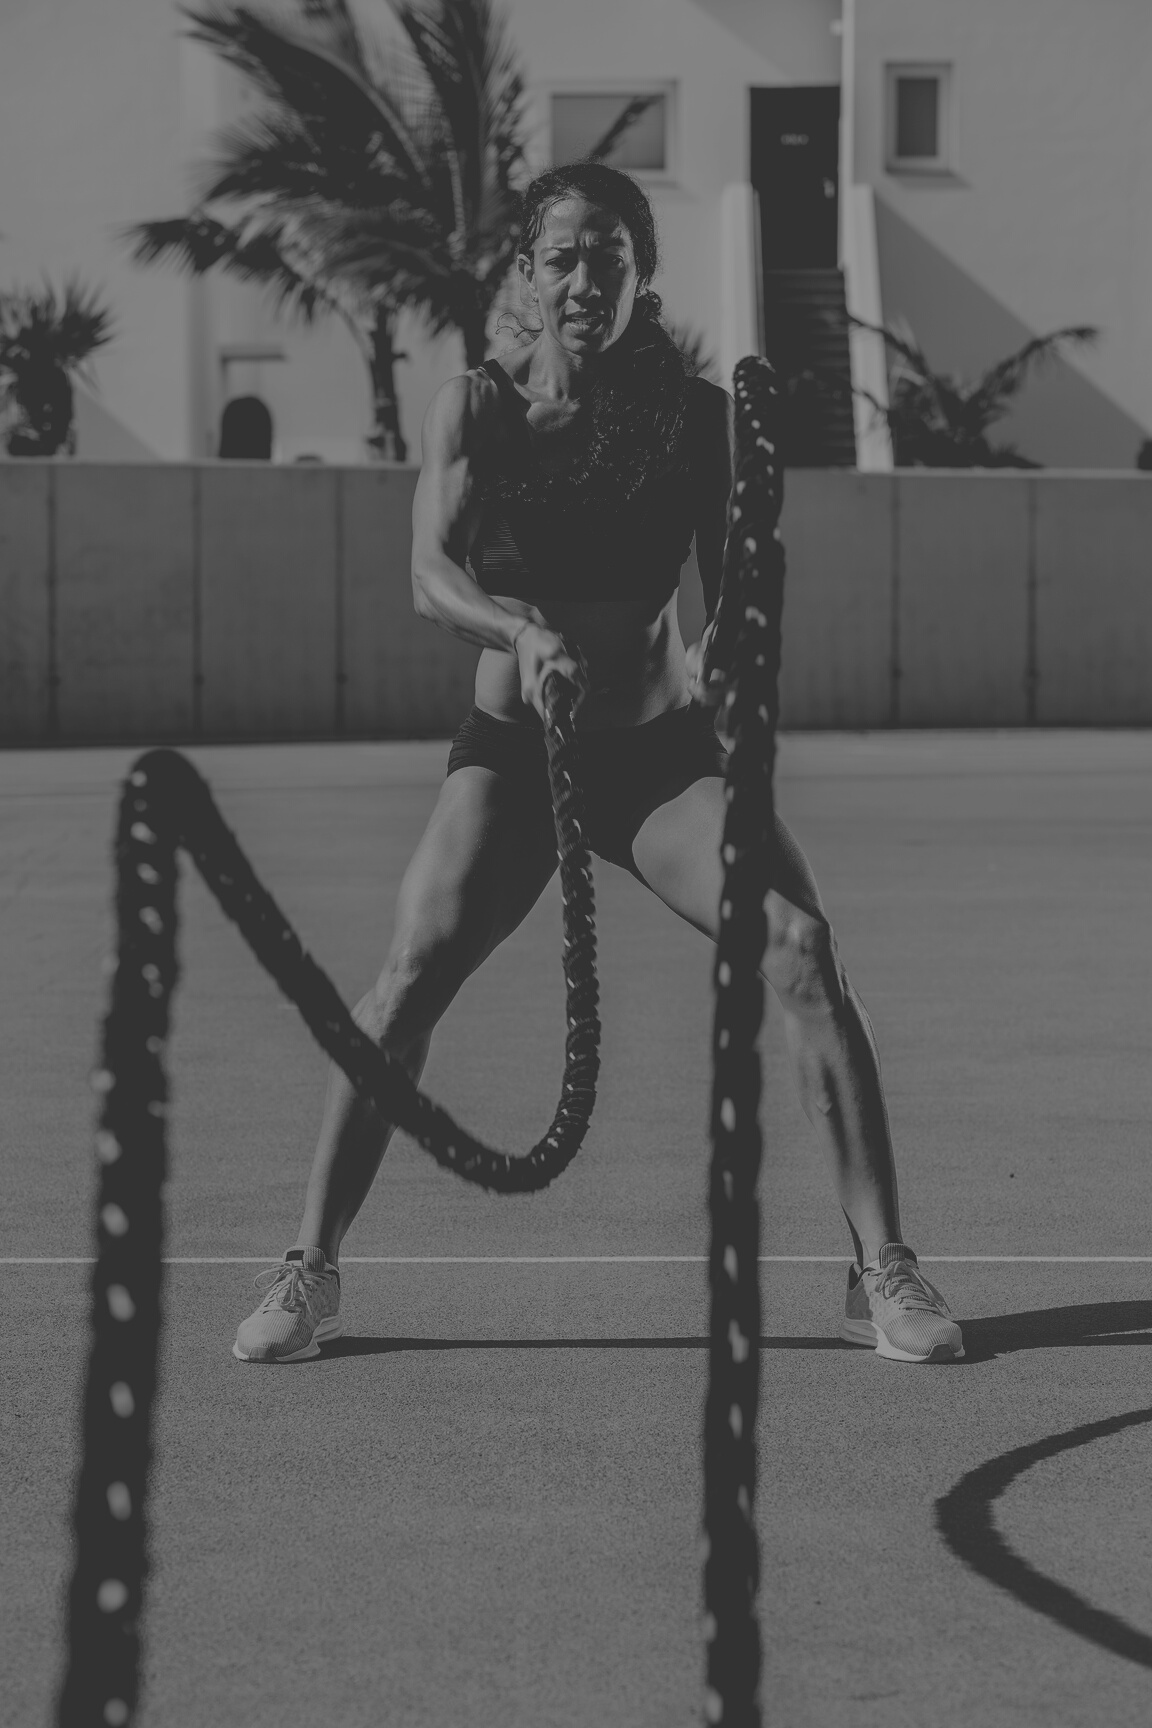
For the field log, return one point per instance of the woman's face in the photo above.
(581, 273)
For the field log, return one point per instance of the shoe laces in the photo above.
(288, 1286)
(903, 1282)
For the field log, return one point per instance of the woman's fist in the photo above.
(539, 652)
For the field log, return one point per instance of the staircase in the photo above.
(806, 339)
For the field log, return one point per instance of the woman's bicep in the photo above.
(446, 506)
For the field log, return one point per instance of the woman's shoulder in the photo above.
(465, 414)
(709, 404)
(709, 424)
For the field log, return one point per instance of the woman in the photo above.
(561, 489)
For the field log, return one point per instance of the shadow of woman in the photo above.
(1078, 1324)
(368, 1346)
(997, 1335)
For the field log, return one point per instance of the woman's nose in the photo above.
(582, 283)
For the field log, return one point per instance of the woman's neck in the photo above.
(556, 374)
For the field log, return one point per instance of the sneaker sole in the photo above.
(333, 1327)
(863, 1332)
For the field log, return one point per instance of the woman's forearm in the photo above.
(449, 597)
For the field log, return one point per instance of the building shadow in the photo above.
(964, 1518)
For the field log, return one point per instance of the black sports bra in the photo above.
(526, 551)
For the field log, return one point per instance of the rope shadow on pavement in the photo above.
(964, 1518)
(1078, 1324)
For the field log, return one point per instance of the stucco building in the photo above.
(984, 172)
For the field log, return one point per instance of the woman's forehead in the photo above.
(574, 218)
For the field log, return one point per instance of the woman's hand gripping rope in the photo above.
(542, 655)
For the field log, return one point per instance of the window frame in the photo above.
(943, 164)
(627, 87)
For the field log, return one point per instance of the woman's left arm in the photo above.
(713, 449)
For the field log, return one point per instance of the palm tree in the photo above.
(373, 179)
(46, 337)
(941, 420)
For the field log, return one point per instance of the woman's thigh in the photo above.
(677, 851)
(479, 868)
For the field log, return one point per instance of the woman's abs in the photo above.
(635, 662)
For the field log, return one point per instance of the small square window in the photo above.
(919, 119)
(639, 118)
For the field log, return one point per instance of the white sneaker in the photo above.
(300, 1310)
(893, 1309)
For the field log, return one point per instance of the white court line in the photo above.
(598, 1260)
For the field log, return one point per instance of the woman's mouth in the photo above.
(584, 320)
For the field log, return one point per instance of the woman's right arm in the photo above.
(445, 517)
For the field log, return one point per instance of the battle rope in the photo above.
(165, 806)
(747, 642)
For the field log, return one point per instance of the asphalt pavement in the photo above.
(482, 1506)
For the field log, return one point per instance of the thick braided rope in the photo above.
(165, 806)
(748, 644)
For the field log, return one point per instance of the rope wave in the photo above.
(167, 807)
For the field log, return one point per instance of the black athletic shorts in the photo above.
(627, 771)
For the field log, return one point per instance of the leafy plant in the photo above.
(941, 420)
(46, 338)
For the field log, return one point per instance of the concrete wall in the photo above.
(154, 602)
(1045, 219)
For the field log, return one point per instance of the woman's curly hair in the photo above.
(638, 403)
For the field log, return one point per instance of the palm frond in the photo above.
(623, 123)
(307, 75)
(335, 20)
(274, 157)
(464, 51)
(265, 254)
(994, 391)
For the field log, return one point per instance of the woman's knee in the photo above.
(418, 980)
(802, 963)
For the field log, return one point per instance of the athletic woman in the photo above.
(561, 489)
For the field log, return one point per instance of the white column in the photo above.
(868, 353)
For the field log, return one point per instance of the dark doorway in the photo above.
(796, 171)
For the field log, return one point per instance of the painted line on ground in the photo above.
(597, 1259)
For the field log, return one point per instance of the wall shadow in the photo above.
(1062, 419)
(965, 1520)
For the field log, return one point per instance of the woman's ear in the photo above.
(527, 274)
